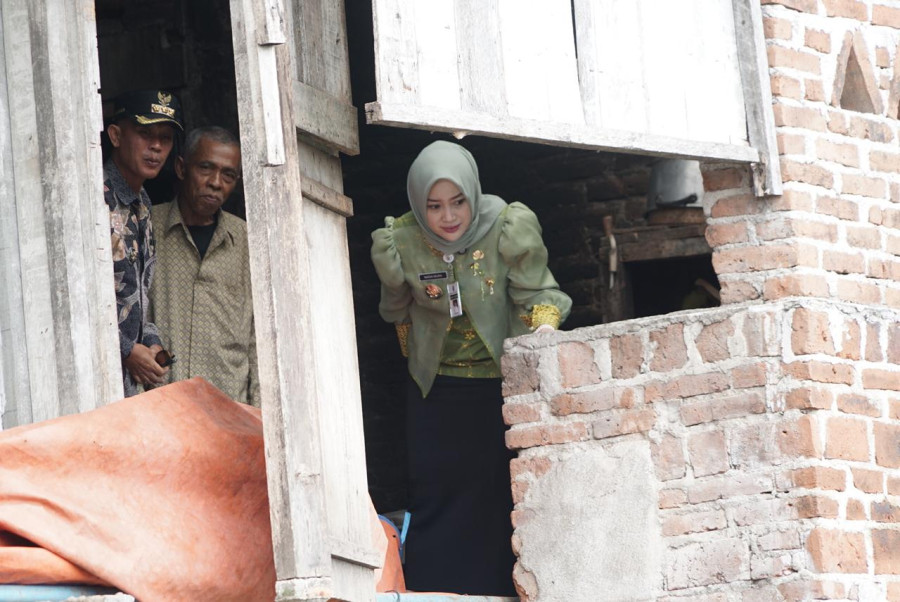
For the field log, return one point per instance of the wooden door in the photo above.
(295, 116)
(683, 79)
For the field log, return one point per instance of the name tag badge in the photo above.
(428, 276)
(455, 300)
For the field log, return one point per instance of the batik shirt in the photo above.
(134, 257)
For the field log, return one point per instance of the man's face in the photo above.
(208, 176)
(140, 151)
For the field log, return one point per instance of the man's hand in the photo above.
(141, 363)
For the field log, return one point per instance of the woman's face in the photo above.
(447, 211)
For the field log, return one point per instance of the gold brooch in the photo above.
(433, 291)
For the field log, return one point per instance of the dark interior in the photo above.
(185, 45)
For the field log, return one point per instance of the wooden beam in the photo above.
(327, 197)
(326, 118)
(556, 134)
(754, 63)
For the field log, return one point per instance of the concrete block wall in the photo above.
(749, 452)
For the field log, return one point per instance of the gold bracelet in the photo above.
(545, 314)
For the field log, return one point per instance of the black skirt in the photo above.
(460, 499)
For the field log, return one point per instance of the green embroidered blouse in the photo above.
(503, 279)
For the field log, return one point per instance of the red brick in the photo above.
(852, 403)
(893, 346)
(799, 117)
(894, 409)
(669, 351)
(726, 234)
(777, 28)
(881, 379)
(518, 413)
(818, 40)
(852, 9)
(843, 262)
(885, 512)
(845, 154)
(844, 209)
(693, 522)
(668, 457)
(585, 402)
(863, 186)
(624, 423)
(804, 6)
(752, 375)
(847, 439)
(755, 259)
(819, 477)
(729, 485)
(821, 372)
(707, 453)
(882, 161)
(887, 445)
(519, 489)
(712, 342)
(737, 205)
(790, 144)
(533, 436)
(627, 356)
(758, 333)
(816, 506)
(784, 86)
(796, 285)
(835, 551)
(671, 498)
(858, 292)
(867, 128)
(810, 332)
(763, 512)
(851, 340)
(792, 200)
(882, 57)
(886, 545)
(868, 481)
(802, 591)
(780, 56)
(863, 237)
(799, 438)
(886, 15)
(814, 90)
(838, 122)
(724, 179)
(688, 385)
(806, 398)
(576, 365)
(779, 540)
(536, 466)
(520, 373)
(807, 173)
(736, 291)
(856, 510)
(708, 562)
(893, 486)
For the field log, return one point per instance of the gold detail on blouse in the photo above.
(403, 337)
(477, 254)
(545, 314)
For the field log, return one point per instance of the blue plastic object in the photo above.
(50, 593)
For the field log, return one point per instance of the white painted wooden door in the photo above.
(646, 76)
(296, 115)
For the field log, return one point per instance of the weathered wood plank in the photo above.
(663, 249)
(554, 134)
(280, 282)
(396, 51)
(319, 46)
(754, 64)
(326, 118)
(539, 67)
(480, 20)
(328, 198)
(438, 77)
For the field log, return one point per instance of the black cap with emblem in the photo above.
(149, 106)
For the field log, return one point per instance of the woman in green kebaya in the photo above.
(460, 272)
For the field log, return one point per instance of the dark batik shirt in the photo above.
(134, 257)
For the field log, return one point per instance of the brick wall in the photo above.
(749, 452)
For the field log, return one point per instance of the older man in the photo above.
(142, 133)
(201, 299)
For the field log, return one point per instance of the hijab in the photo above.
(443, 160)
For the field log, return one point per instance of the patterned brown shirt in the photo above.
(204, 306)
(134, 258)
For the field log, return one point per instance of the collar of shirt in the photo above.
(174, 219)
(115, 181)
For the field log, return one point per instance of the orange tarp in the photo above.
(162, 495)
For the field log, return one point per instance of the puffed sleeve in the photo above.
(531, 284)
(396, 295)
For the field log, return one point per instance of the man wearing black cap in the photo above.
(142, 134)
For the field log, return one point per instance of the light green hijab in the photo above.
(443, 160)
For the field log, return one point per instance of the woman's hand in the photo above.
(543, 328)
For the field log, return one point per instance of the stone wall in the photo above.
(749, 452)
